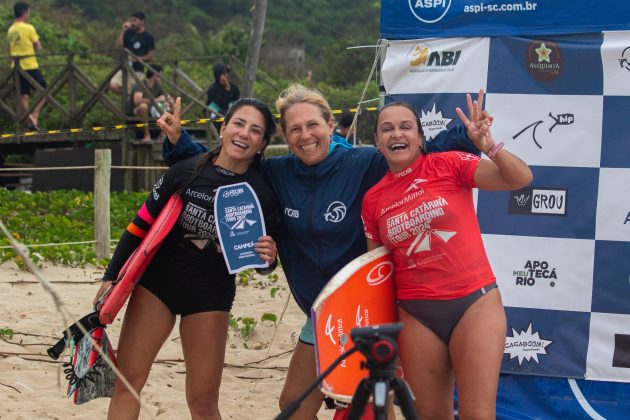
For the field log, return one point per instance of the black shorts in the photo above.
(25, 86)
(189, 281)
(442, 316)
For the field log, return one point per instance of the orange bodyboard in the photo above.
(135, 265)
(359, 295)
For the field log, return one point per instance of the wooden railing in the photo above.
(75, 89)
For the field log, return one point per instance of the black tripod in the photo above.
(378, 345)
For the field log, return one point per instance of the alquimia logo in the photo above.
(539, 201)
(429, 11)
(544, 60)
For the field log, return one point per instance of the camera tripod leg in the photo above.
(360, 399)
(380, 392)
(405, 398)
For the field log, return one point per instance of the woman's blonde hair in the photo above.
(298, 94)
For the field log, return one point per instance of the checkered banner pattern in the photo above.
(560, 248)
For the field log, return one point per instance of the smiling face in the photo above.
(307, 132)
(398, 137)
(242, 137)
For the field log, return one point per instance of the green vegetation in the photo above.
(60, 216)
(8, 333)
(208, 31)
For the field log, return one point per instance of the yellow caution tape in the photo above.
(198, 121)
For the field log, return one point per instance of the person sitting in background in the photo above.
(141, 105)
(222, 93)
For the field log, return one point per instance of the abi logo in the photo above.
(422, 59)
(429, 11)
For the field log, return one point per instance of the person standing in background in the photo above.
(134, 37)
(23, 42)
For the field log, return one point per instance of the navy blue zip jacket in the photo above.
(321, 229)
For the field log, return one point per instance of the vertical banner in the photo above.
(240, 222)
(560, 248)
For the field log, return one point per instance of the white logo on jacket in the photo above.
(336, 212)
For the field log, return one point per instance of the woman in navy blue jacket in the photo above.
(320, 186)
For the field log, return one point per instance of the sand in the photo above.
(32, 385)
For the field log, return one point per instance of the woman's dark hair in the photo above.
(423, 146)
(404, 105)
(270, 129)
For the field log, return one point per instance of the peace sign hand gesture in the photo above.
(477, 123)
(170, 123)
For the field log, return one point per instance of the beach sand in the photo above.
(32, 385)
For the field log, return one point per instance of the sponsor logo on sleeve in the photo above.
(526, 345)
(156, 187)
(538, 201)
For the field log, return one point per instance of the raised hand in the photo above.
(477, 122)
(170, 122)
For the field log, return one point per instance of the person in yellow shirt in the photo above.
(23, 42)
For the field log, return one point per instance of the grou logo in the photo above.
(429, 11)
(538, 201)
(549, 201)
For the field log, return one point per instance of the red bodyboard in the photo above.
(133, 269)
(359, 295)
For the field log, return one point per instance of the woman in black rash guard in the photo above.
(188, 276)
